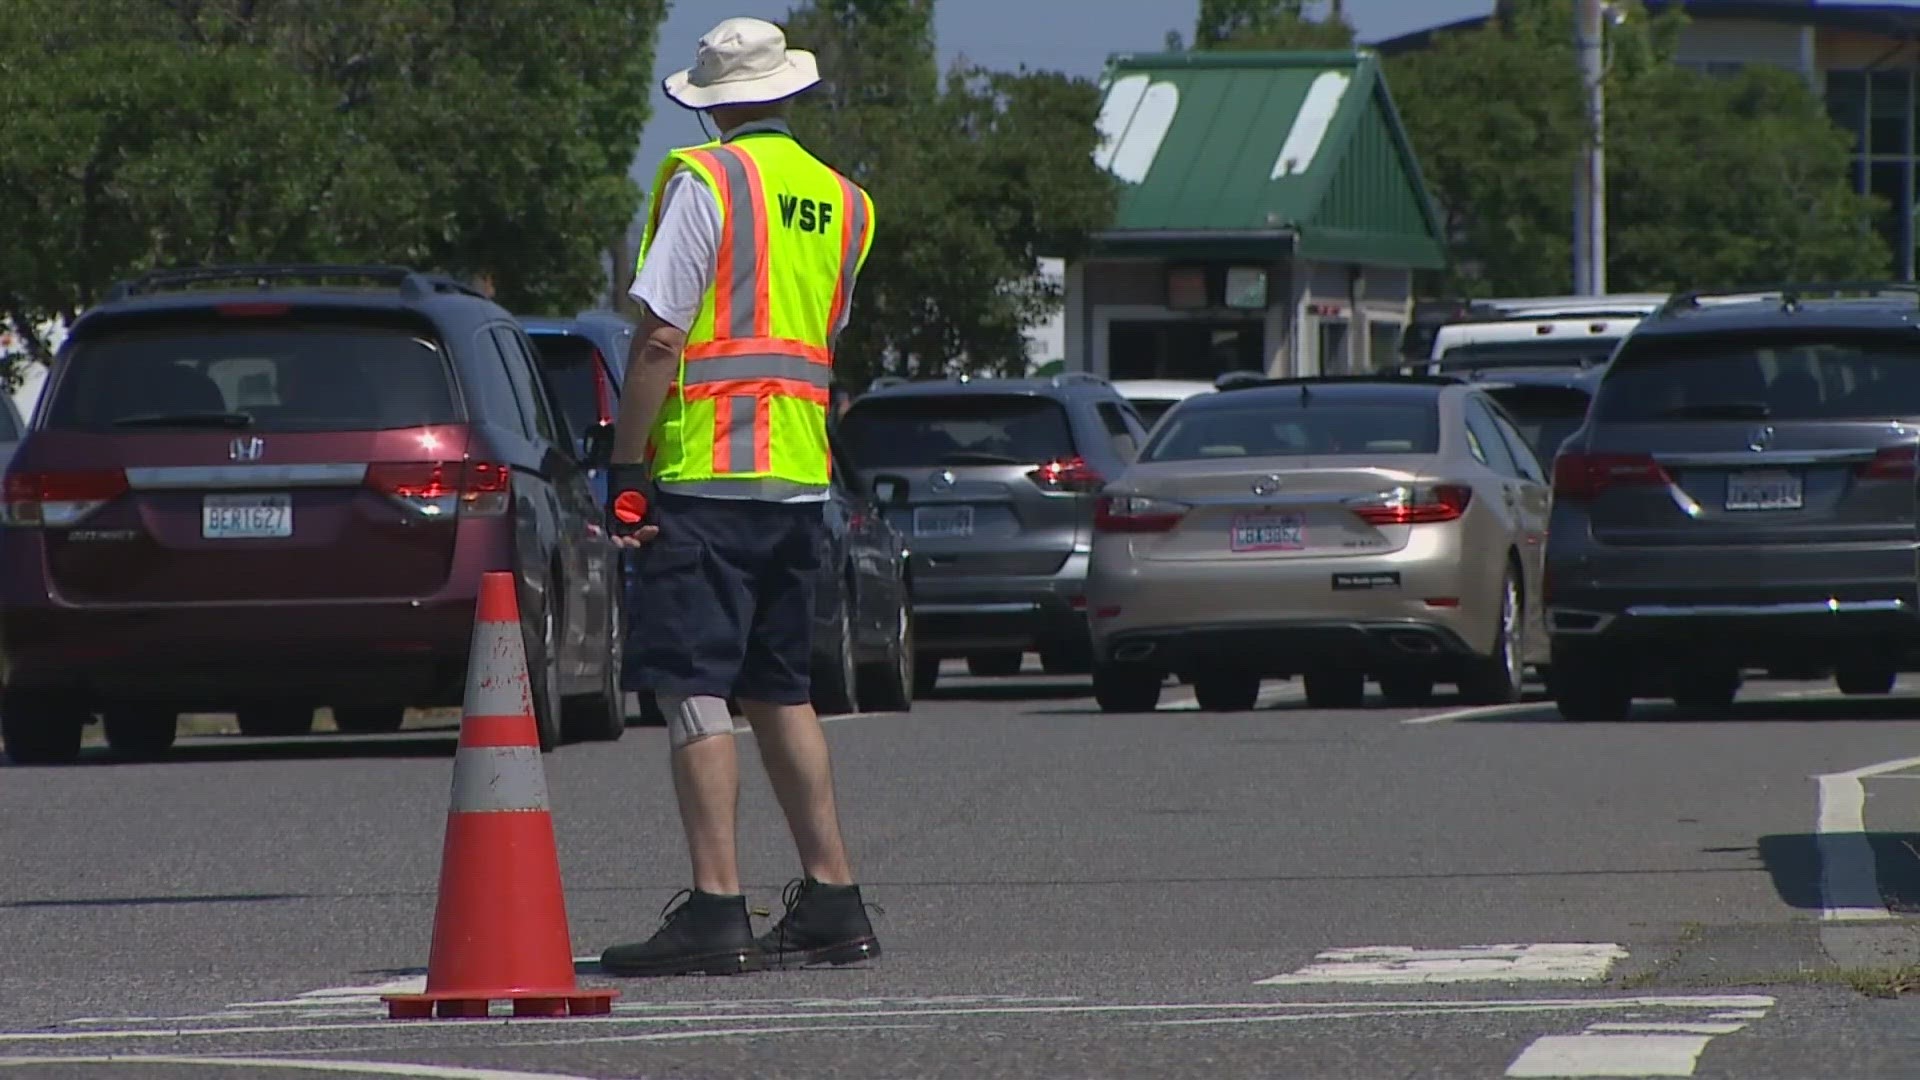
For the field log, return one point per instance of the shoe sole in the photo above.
(727, 963)
(852, 952)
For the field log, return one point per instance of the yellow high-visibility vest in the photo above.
(747, 414)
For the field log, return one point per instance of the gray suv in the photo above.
(1741, 495)
(992, 482)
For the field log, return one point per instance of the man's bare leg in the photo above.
(794, 747)
(706, 781)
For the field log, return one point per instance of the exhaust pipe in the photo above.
(1132, 651)
(1415, 643)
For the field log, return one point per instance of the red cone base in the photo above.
(456, 1005)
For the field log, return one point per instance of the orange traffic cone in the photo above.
(500, 930)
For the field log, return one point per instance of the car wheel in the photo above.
(1405, 690)
(139, 731)
(41, 727)
(1336, 688)
(1227, 691)
(926, 672)
(1126, 688)
(275, 721)
(1865, 680)
(1500, 677)
(602, 715)
(1705, 693)
(835, 675)
(999, 664)
(369, 719)
(888, 686)
(1590, 689)
(543, 674)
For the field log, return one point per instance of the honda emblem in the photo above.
(246, 449)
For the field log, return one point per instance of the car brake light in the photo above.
(442, 488)
(1136, 514)
(1891, 463)
(1066, 474)
(1414, 505)
(1580, 476)
(602, 389)
(59, 499)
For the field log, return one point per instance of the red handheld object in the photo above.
(630, 507)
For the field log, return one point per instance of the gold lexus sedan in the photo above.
(1338, 528)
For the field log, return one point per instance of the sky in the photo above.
(1075, 36)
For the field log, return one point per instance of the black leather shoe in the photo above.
(704, 935)
(824, 924)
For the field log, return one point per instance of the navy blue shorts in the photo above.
(722, 600)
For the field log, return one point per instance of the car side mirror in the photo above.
(596, 446)
(889, 490)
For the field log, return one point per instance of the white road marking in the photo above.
(362, 1068)
(1669, 1029)
(1610, 1055)
(1399, 965)
(1184, 701)
(1849, 874)
(1478, 711)
(1739, 1014)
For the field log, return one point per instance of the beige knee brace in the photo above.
(690, 719)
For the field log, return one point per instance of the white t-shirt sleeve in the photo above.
(680, 265)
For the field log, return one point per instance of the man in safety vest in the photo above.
(720, 476)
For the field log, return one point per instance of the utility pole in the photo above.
(1590, 183)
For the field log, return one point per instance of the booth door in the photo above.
(1184, 348)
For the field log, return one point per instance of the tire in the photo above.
(1126, 688)
(41, 728)
(836, 677)
(1404, 690)
(1858, 681)
(1500, 677)
(543, 672)
(275, 721)
(602, 715)
(926, 673)
(998, 664)
(887, 685)
(1335, 688)
(1590, 690)
(369, 719)
(1706, 692)
(1227, 691)
(139, 731)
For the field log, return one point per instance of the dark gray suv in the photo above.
(1741, 494)
(992, 481)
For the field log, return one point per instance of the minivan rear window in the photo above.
(283, 377)
(1780, 375)
(1528, 353)
(569, 361)
(1293, 431)
(962, 429)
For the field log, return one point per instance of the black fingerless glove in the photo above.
(630, 495)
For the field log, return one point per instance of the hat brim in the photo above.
(800, 72)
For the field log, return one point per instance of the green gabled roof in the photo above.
(1198, 140)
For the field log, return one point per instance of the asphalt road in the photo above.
(1280, 893)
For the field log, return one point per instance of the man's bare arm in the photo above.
(652, 362)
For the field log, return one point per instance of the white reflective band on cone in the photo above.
(496, 778)
(497, 672)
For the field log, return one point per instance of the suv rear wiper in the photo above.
(1717, 410)
(978, 457)
(187, 419)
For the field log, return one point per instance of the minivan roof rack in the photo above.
(413, 284)
(1789, 296)
(885, 381)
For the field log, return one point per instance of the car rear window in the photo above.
(1778, 375)
(1292, 430)
(1528, 353)
(285, 377)
(569, 363)
(963, 429)
(1545, 415)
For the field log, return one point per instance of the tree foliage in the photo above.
(1711, 180)
(489, 138)
(975, 175)
(1270, 24)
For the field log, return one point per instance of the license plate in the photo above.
(246, 517)
(943, 522)
(1764, 490)
(1269, 532)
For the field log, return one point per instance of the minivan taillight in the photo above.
(443, 488)
(1067, 474)
(1136, 514)
(1581, 477)
(58, 498)
(1890, 463)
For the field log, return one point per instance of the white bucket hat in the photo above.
(742, 62)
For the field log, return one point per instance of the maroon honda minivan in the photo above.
(253, 491)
